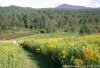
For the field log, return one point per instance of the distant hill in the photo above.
(67, 6)
(63, 6)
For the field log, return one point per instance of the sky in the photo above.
(49, 3)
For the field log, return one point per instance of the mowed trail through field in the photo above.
(36, 61)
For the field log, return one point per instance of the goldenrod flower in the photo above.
(88, 52)
(78, 62)
(63, 52)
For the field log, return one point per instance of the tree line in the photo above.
(50, 20)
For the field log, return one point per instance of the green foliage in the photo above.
(75, 51)
(50, 20)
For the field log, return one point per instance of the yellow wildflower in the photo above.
(50, 46)
(78, 62)
(63, 52)
(88, 52)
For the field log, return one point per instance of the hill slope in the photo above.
(67, 6)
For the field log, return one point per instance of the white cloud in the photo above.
(17, 2)
(48, 3)
(97, 5)
(28, 3)
(2, 1)
(75, 2)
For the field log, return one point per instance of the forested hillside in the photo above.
(48, 20)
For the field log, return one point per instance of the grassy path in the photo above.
(36, 61)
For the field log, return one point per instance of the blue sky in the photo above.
(49, 3)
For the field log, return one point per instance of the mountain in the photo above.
(13, 6)
(67, 6)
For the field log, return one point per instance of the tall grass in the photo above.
(11, 55)
(69, 51)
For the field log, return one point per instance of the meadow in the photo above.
(79, 51)
(11, 55)
(49, 37)
(65, 50)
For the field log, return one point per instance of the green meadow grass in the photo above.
(52, 50)
(68, 50)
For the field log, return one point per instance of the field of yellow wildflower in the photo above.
(76, 51)
(11, 55)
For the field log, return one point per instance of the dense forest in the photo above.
(48, 20)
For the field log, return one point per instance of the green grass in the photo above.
(38, 61)
(68, 50)
(50, 51)
(12, 55)
(46, 36)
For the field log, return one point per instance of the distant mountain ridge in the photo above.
(67, 6)
(62, 6)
